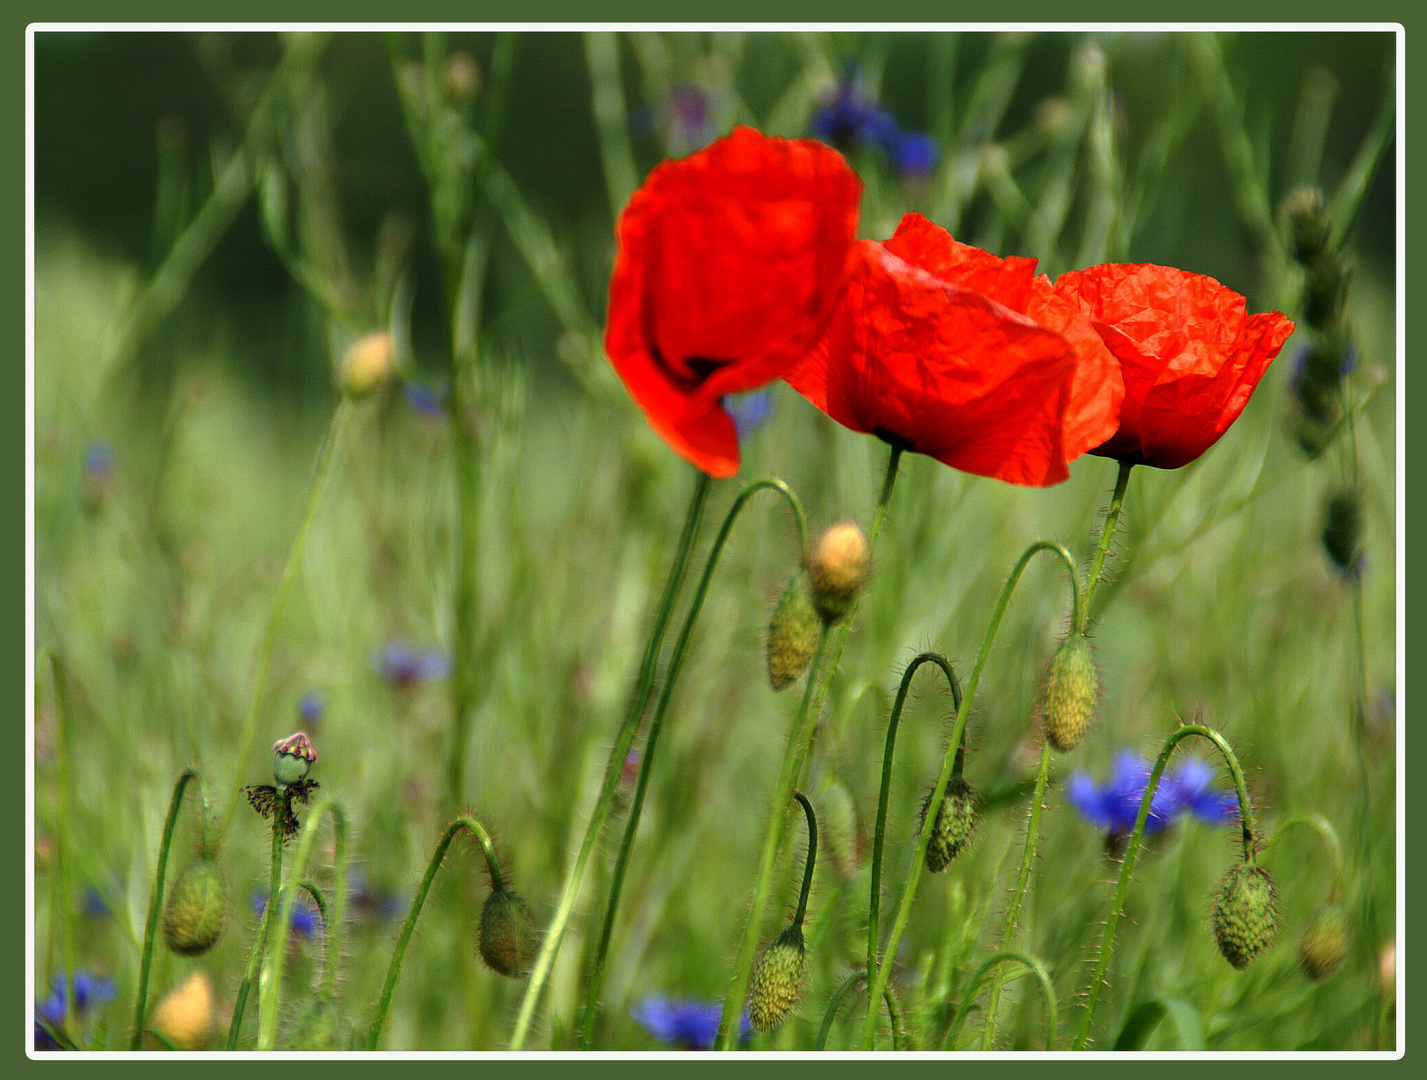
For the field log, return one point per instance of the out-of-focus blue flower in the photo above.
(310, 708)
(852, 119)
(749, 411)
(1183, 791)
(915, 153)
(426, 400)
(689, 118)
(403, 665)
(690, 1024)
(305, 919)
(98, 474)
(89, 991)
(372, 903)
(93, 904)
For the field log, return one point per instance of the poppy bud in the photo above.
(508, 938)
(838, 570)
(1245, 916)
(197, 908)
(1324, 945)
(793, 633)
(954, 821)
(292, 758)
(777, 980)
(1071, 694)
(185, 1014)
(1343, 530)
(838, 818)
(367, 364)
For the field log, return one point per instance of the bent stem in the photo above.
(554, 934)
(656, 725)
(155, 903)
(819, 677)
(1132, 847)
(880, 831)
(270, 982)
(851, 983)
(322, 471)
(1319, 824)
(958, 731)
(1036, 968)
(398, 955)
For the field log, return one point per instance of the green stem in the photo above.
(656, 725)
(398, 955)
(1036, 968)
(270, 982)
(819, 677)
(1013, 912)
(268, 991)
(155, 903)
(1107, 535)
(958, 731)
(1319, 824)
(851, 983)
(879, 833)
(322, 471)
(801, 912)
(1132, 847)
(550, 943)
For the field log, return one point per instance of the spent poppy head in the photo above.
(1190, 354)
(729, 263)
(956, 353)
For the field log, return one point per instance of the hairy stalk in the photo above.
(1107, 535)
(879, 833)
(260, 942)
(819, 677)
(904, 910)
(1035, 967)
(1132, 848)
(574, 879)
(398, 955)
(156, 898)
(656, 725)
(275, 957)
(322, 472)
(851, 983)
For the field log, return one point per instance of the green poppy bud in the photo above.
(292, 758)
(508, 938)
(837, 570)
(197, 908)
(1324, 946)
(1245, 916)
(1070, 696)
(777, 980)
(838, 818)
(793, 633)
(952, 828)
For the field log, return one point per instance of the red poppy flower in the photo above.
(1190, 355)
(967, 357)
(729, 264)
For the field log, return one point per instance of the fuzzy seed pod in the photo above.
(197, 908)
(1324, 946)
(837, 570)
(1070, 696)
(292, 758)
(1343, 530)
(367, 364)
(185, 1015)
(792, 633)
(777, 980)
(838, 817)
(508, 940)
(1245, 916)
(953, 824)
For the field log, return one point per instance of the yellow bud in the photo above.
(837, 570)
(367, 364)
(185, 1015)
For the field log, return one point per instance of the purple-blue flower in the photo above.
(851, 119)
(424, 399)
(89, 991)
(310, 708)
(749, 411)
(1182, 791)
(403, 665)
(688, 1023)
(304, 915)
(915, 153)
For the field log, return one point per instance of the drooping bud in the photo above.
(838, 818)
(292, 758)
(1245, 916)
(508, 939)
(777, 980)
(197, 908)
(367, 364)
(954, 821)
(1324, 946)
(1343, 530)
(185, 1014)
(1070, 696)
(837, 570)
(793, 633)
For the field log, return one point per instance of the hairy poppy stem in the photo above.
(1107, 536)
(574, 880)
(281, 803)
(801, 911)
(1132, 848)
(851, 983)
(656, 725)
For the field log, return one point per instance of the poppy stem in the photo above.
(1132, 848)
(656, 725)
(802, 909)
(1107, 536)
(281, 803)
(1035, 967)
(550, 943)
(1319, 824)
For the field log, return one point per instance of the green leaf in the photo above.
(1143, 1020)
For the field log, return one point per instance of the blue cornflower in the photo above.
(310, 708)
(304, 915)
(1115, 805)
(690, 1024)
(89, 991)
(915, 153)
(749, 411)
(851, 118)
(426, 400)
(403, 665)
